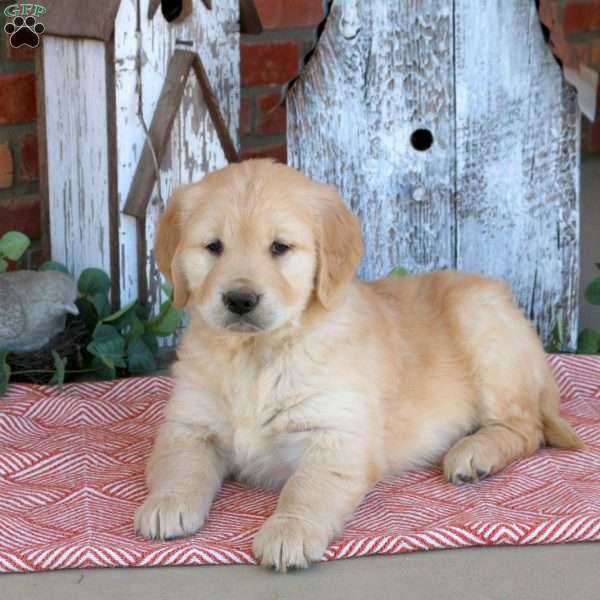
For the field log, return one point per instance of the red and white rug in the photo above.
(71, 477)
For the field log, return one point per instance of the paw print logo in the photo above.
(24, 32)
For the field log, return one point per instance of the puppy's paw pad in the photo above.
(288, 543)
(466, 462)
(165, 517)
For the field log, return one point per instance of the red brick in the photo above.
(588, 52)
(581, 16)
(564, 51)
(17, 98)
(271, 113)
(548, 12)
(21, 214)
(267, 102)
(6, 167)
(282, 14)
(279, 153)
(264, 63)
(29, 158)
(591, 143)
(274, 121)
(245, 114)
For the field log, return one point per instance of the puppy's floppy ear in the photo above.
(340, 245)
(167, 248)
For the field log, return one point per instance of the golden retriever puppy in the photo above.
(292, 373)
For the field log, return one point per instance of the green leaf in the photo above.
(109, 345)
(122, 317)
(88, 312)
(139, 357)
(3, 265)
(105, 369)
(60, 364)
(167, 288)
(4, 371)
(400, 271)
(141, 312)
(13, 244)
(555, 343)
(100, 301)
(93, 281)
(588, 342)
(152, 342)
(52, 265)
(557, 332)
(592, 291)
(137, 327)
(166, 322)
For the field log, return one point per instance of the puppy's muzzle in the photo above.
(241, 301)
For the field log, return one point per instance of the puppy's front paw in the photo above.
(168, 516)
(288, 542)
(468, 461)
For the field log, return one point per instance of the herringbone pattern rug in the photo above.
(71, 477)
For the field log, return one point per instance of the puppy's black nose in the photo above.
(240, 302)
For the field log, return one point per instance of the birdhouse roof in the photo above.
(83, 19)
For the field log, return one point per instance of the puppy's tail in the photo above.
(557, 432)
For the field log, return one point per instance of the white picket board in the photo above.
(517, 165)
(497, 192)
(214, 35)
(380, 71)
(77, 152)
(130, 136)
(192, 129)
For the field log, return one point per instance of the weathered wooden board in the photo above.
(77, 153)
(131, 140)
(497, 191)
(380, 71)
(158, 133)
(193, 127)
(81, 19)
(517, 160)
(214, 35)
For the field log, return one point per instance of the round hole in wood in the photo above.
(171, 9)
(421, 139)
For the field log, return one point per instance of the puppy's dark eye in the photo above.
(215, 247)
(279, 248)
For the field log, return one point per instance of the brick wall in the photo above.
(574, 36)
(277, 35)
(19, 197)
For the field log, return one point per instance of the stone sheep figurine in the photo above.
(33, 308)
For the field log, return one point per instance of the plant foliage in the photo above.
(121, 343)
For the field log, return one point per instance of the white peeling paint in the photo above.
(497, 192)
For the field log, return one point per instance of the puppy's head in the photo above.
(252, 245)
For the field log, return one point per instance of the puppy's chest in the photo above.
(264, 433)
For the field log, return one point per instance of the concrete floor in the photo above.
(561, 572)
(564, 572)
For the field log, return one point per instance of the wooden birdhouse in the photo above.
(133, 104)
(448, 127)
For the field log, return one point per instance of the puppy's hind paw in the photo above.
(467, 461)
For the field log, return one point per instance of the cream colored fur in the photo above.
(333, 383)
